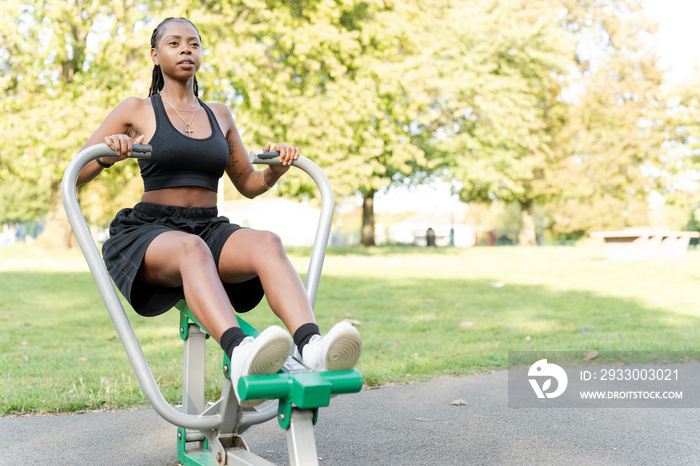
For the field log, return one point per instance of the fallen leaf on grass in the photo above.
(466, 324)
(459, 402)
(82, 359)
(7, 317)
(590, 355)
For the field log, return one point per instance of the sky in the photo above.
(679, 48)
(678, 34)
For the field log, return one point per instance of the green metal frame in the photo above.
(193, 458)
(295, 386)
(303, 390)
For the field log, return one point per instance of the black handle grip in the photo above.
(141, 150)
(267, 154)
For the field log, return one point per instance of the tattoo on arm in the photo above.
(232, 161)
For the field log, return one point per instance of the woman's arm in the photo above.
(116, 130)
(248, 181)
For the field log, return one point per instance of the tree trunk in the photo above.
(527, 235)
(57, 232)
(367, 237)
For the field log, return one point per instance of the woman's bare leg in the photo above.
(181, 259)
(252, 252)
(248, 253)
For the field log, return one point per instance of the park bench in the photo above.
(645, 244)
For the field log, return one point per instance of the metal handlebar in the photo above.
(111, 298)
(325, 221)
(109, 294)
(141, 151)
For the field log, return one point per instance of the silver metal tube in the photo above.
(109, 294)
(264, 414)
(301, 442)
(115, 308)
(325, 221)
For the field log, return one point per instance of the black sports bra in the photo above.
(177, 160)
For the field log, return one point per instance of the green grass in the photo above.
(422, 314)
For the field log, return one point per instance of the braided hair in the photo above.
(157, 81)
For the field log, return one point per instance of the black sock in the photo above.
(304, 334)
(231, 338)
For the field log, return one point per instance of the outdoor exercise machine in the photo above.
(211, 434)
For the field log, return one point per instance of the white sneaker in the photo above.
(338, 350)
(265, 354)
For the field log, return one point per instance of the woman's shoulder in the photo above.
(222, 113)
(134, 103)
(132, 106)
(217, 107)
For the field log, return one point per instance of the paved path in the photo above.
(398, 425)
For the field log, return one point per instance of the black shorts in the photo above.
(132, 231)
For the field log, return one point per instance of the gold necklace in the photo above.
(189, 130)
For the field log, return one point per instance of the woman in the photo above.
(172, 244)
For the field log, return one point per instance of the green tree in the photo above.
(559, 101)
(616, 121)
(679, 162)
(324, 75)
(65, 63)
(502, 94)
(498, 111)
(23, 200)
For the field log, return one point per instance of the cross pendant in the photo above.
(189, 131)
